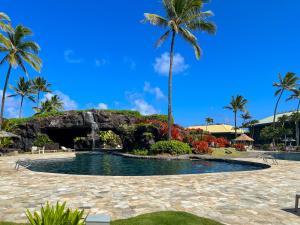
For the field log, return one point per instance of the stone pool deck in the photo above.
(245, 198)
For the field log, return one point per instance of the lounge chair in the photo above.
(35, 149)
(297, 202)
(67, 149)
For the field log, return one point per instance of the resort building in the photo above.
(256, 129)
(220, 130)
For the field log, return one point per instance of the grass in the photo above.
(166, 218)
(158, 218)
(228, 152)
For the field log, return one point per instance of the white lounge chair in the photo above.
(35, 149)
(67, 149)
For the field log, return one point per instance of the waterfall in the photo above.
(94, 127)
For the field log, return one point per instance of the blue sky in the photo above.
(98, 54)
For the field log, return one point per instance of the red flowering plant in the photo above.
(222, 142)
(201, 147)
(240, 147)
(191, 135)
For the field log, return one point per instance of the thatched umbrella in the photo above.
(243, 138)
(4, 134)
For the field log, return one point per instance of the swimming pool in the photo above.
(114, 165)
(287, 156)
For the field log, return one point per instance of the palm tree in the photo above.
(246, 116)
(5, 22)
(40, 85)
(251, 124)
(288, 82)
(182, 17)
(208, 121)
(23, 89)
(237, 104)
(54, 104)
(18, 51)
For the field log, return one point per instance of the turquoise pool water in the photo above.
(287, 156)
(113, 165)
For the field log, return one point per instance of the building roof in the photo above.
(269, 119)
(218, 128)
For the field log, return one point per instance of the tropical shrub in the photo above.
(280, 147)
(172, 147)
(191, 135)
(41, 140)
(58, 215)
(210, 139)
(140, 152)
(109, 138)
(201, 147)
(240, 147)
(222, 142)
(265, 147)
(5, 142)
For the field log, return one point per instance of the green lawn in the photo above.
(228, 152)
(166, 218)
(158, 218)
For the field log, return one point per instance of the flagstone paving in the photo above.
(245, 198)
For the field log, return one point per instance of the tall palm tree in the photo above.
(40, 85)
(208, 121)
(288, 82)
(237, 104)
(25, 90)
(296, 116)
(245, 116)
(17, 51)
(182, 17)
(5, 22)
(54, 104)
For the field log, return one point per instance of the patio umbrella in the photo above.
(4, 134)
(244, 138)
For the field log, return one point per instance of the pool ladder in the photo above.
(23, 163)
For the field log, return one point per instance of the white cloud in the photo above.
(69, 54)
(143, 107)
(154, 90)
(101, 62)
(69, 104)
(102, 106)
(11, 107)
(162, 64)
(130, 63)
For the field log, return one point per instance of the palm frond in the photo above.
(202, 25)
(5, 41)
(4, 16)
(169, 8)
(162, 39)
(156, 20)
(188, 36)
(30, 46)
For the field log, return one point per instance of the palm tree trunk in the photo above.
(170, 88)
(20, 113)
(235, 130)
(38, 100)
(297, 125)
(275, 112)
(3, 96)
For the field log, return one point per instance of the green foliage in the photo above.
(56, 215)
(270, 132)
(79, 139)
(166, 218)
(109, 138)
(41, 140)
(162, 118)
(5, 142)
(10, 125)
(142, 152)
(170, 147)
(48, 114)
(280, 147)
(266, 147)
(54, 104)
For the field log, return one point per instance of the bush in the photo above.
(109, 138)
(5, 142)
(222, 142)
(172, 147)
(41, 140)
(140, 152)
(58, 215)
(201, 147)
(280, 147)
(240, 147)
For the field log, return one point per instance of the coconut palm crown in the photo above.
(40, 85)
(182, 18)
(18, 51)
(24, 90)
(5, 23)
(237, 103)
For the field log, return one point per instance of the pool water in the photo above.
(287, 156)
(113, 165)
